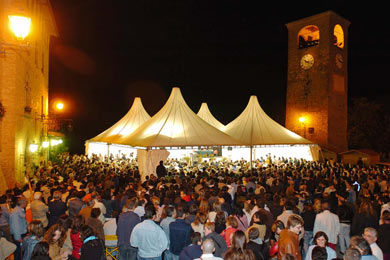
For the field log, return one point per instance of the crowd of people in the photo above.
(281, 208)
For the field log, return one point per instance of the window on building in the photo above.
(308, 36)
(338, 36)
(27, 106)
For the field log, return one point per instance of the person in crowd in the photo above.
(208, 249)
(168, 212)
(86, 211)
(321, 240)
(75, 204)
(258, 223)
(319, 253)
(220, 222)
(363, 246)
(161, 171)
(209, 233)
(78, 222)
(35, 235)
(200, 220)
(366, 217)
(98, 204)
(352, 254)
(55, 236)
(231, 227)
(308, 215)
(383, 235)
(179, 232)
(329, 223)
(18, 225)
(96, 224)
(242, 220)
(288, 211)
(126, 223)
(345, 211)
(238, 249)
(371, 236)
(39, 209)
(4, 217)
(56, 208)
(259, 248)
(41, 251)
(149, 237)
(93, 247)
(288, 242)
(6, 247)
(193, 250)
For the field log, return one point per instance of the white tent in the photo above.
(257, 130)
(176, 125)
(205, 114)
(105, 143)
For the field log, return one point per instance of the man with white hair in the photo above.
(371, 235)
(39, 209)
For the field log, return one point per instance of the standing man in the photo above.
(126, 223)
(329, 223)
(39, 209)
(289, 238)
(18, 225)
(371, 235)
(179, 233)
(161, 171)
(149, 237)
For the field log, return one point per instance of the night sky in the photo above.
(215, 51)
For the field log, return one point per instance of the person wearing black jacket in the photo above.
(161, 171)
(346, 212)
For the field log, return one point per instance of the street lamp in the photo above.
(20, 25)
(59, 106)
(303, 121)
(33, 148)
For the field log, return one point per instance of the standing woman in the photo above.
(55, 237)
(35, 235)
(78, 222)
(321, 239)
(366, 217)
(92, 248)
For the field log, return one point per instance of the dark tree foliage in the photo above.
(368, 125)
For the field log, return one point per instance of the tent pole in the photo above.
(251, 147)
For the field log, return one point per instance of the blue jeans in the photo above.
(127, 252)
(307, 240)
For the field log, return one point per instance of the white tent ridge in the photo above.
(105, 143)
(176, 125)
(205, 114)
(254, 127)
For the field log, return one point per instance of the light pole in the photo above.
(303, 121)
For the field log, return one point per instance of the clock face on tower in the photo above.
(307, 61)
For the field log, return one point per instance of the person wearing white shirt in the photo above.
(371, 235)
(208, 248)
(329, 223)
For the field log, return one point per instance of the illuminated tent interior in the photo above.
(256, 129)
(205, 114)
(105, 143)
(176, 125)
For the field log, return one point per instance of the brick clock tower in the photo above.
(316, 102)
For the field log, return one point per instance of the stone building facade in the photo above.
(24, 89)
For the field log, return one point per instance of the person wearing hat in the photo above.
(39, 209)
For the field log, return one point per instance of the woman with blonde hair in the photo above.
(204, 206)
(55, 236)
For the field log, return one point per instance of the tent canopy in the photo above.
(176, 125)
(254, 127)
(206, 115)
(135, 117)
